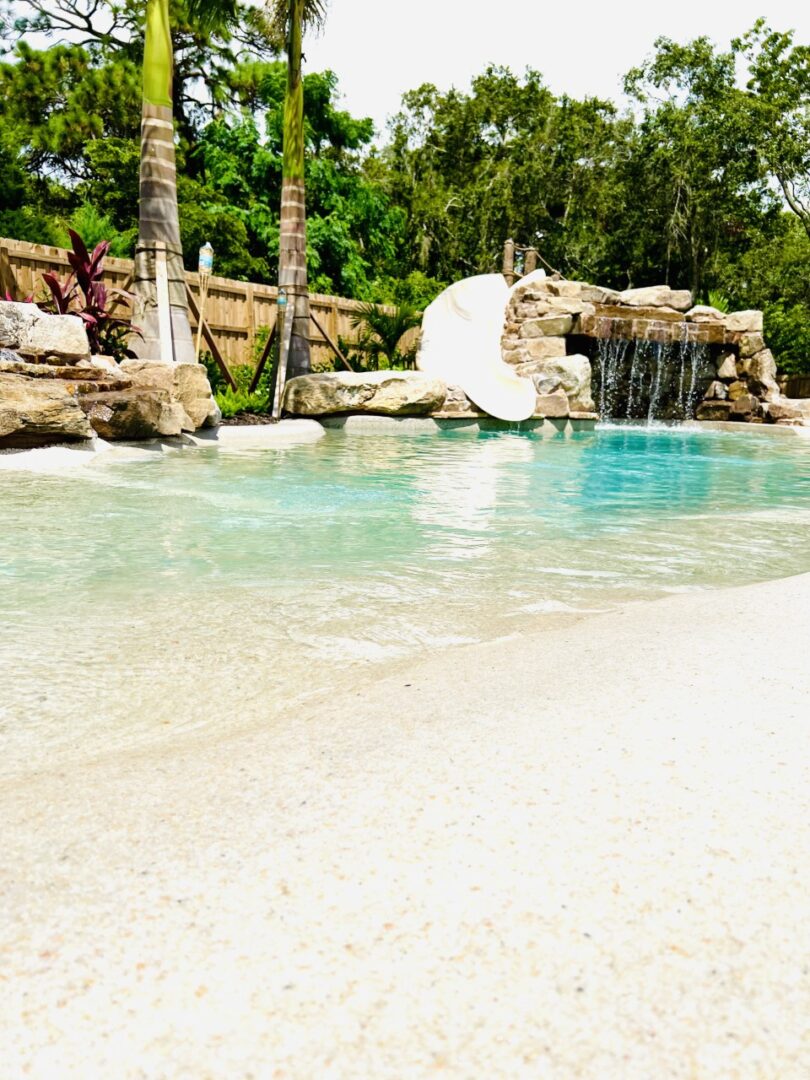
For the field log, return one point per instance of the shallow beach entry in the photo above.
(200, 588)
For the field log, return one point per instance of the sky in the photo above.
(380, 49)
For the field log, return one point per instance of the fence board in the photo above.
(235, 310)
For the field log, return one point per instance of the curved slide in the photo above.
(461, 344)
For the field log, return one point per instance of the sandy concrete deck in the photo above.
(249, 437)
(578, 853)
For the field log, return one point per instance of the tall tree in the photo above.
(291, 18)
(779, 110)
(158, 214)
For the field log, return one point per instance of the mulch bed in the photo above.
(245, 419)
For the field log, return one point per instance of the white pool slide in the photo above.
(461, 344)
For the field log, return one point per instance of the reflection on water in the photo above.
(206, 588)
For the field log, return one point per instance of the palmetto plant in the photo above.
(158, 217)
(382, 330)
(290, 19)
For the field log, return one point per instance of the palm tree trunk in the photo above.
(292, 262)
(158, 216)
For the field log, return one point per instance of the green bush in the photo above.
(234, 402)
(787, 331)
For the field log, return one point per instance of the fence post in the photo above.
(509, 262)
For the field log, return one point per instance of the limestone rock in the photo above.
(744, 322)
(596, 294)
(457, 401)
(569, 373)
(553, 405)
(567, 305)
(745, 408)
(572, 373)
(737, 390)
(394, 393)
(186, 384)
(57, 335)
(761, 370)
(727, 367)
(657, 296)
(542, 348)
(35, 412)
(38, 333)
(547, 326)
(703, 313)
(785, 409)
(138, 413)
(572, 289)
(72, 375)
(16, 321)
(751, 344)
(713, 410)
(717, 391)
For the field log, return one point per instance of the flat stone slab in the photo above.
(392, 393)
(37, 412)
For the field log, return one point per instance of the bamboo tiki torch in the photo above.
(204, 268)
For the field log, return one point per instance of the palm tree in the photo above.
(290, 20)
(158, 217)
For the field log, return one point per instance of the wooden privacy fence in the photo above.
(234, 310)
(795, 386)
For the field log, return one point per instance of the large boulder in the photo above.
(37, 333)
(713, 410)
(744, 322)
(569, 373)
(727, 367)
(784, 409)
(657, 296)
(751, 344)
(761, 372)
(186, 384)
(745, 408)
(36, 412)
(554, 406)
(702, 313)
(134, 414)
(393, 393)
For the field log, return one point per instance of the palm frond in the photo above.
(209, 14)
(388, 326)
(279, 16)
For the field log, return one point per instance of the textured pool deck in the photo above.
(582, 852)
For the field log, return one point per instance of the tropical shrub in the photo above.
(382, 331)
(85, 295)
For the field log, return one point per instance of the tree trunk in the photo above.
(292, 261)
(158, 216)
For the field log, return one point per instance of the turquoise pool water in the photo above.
(202, 587)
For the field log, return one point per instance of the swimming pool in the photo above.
(207, 588)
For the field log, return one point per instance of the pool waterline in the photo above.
(206, 588)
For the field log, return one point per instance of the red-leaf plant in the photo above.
(85, 295)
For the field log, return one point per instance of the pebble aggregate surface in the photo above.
(580, 852)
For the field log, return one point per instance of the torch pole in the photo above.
(204, 268)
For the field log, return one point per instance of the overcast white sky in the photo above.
(379, 49)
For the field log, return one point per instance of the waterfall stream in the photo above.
(650, 380)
